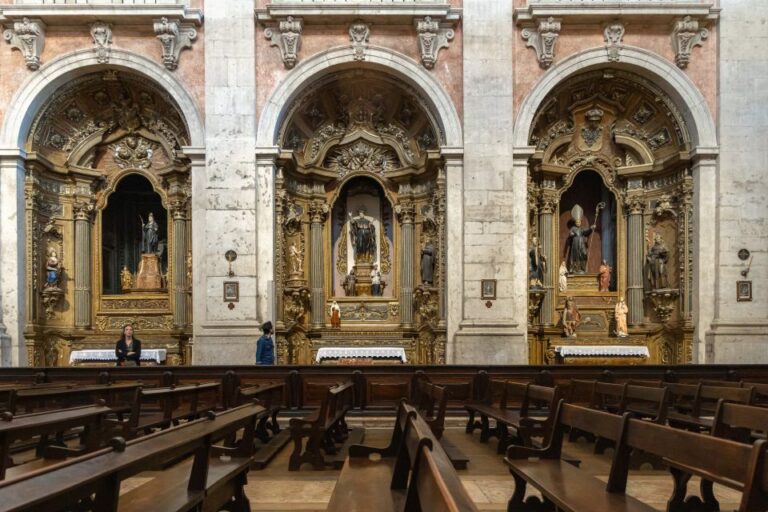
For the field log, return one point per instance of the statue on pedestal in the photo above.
(578, 250)
(349, 283)
(375, 281)
(363, 232)
(656, 261)
(620, 313)
(562, 282)
(149, 231)
(427, 263)
(604, 276)
(126, 278)
(335, 315)
(52, 269)
(571, 318)
(537, 265)
(297, 260)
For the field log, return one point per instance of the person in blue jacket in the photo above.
(265, 347)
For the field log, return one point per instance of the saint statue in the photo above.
(363, 232)
(297, 259)
(578, 249)
(562, 281)
(571, 318)
(52, 269)
(427, 263)
(537, 264)
(126, 278)
(149, 234)
(620, 313)
(335, 315)
(604, 276)
(349, 283)
(656, 261)
(375, 281)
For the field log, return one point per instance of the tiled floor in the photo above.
(487, 480)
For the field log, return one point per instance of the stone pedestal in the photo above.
(363, 276)
(148, 277)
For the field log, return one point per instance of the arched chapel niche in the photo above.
(104, 152)
(610, 207)
(360, 209)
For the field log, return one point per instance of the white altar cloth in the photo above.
(361, 352)
(147, 354)
(603, 350)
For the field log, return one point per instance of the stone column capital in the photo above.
(318, 211)
(178, 209)
(547, 201)
(406, 211)
(634, 203)
(83, 210)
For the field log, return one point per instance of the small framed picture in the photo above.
(488, 289)
(231, 291)
(743, 291)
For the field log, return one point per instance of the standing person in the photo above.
(265, 347)
(128, 348)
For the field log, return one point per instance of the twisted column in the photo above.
(318, 211)
(634, 206)
(405, 211)
(82, 214)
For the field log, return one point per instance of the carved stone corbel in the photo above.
(543, 40)
(287, 37)
(663, 302)
(102, 40)
(685, 35)
(359, 32)
(432, 37)
(27, 36)
(613, 33)
(535, 298)
(173, 37)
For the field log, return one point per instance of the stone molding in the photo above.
(102, 40)
(286, 35)
(687, 34)
(38, 87)
(27, 36)
(399, 13)
(432, 35)
(174, 37)
(118, 14)
(583, 12)
(543, 39)
(384, 59)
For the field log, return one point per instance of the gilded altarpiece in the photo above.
(106, 138)
(612, 163)
(360, 209)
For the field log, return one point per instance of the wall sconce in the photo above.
(230, 256)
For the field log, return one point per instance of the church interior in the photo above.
(414, 254)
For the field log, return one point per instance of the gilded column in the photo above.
(405, 211)
(547, 205)
(180, 286)
(634, 205)
(318, 211)
(82, 214)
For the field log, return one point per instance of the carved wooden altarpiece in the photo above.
(95, 135)
(613, 137)
(359, 145)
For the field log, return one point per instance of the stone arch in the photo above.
(644, 62)
(377, 58)
(39, 86)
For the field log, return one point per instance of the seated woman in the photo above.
(128, 348)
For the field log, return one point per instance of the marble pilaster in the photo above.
(82, 213)
(454, 239)
(318, 211)
(12, 256)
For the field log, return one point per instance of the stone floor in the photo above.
(487, 480)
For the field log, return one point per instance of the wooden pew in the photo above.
(203, 480)
(431, 402)
(412, 474)
(533, 418)
(323, 428)
(49, 424)
(54, 397)
(699, 418)
(163, 407)
(269, 396)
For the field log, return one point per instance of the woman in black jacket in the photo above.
(128, 348)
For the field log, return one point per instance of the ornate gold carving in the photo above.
(133, 152)
(363, 311)
(425, 304)
(634, 203)
(164, 322)
(296, 304)
(318, 211)
(83, 210)
(405, 211)
(663, 302)
(341, 260)
(137, 303)
(386, 254)
(361, 156)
